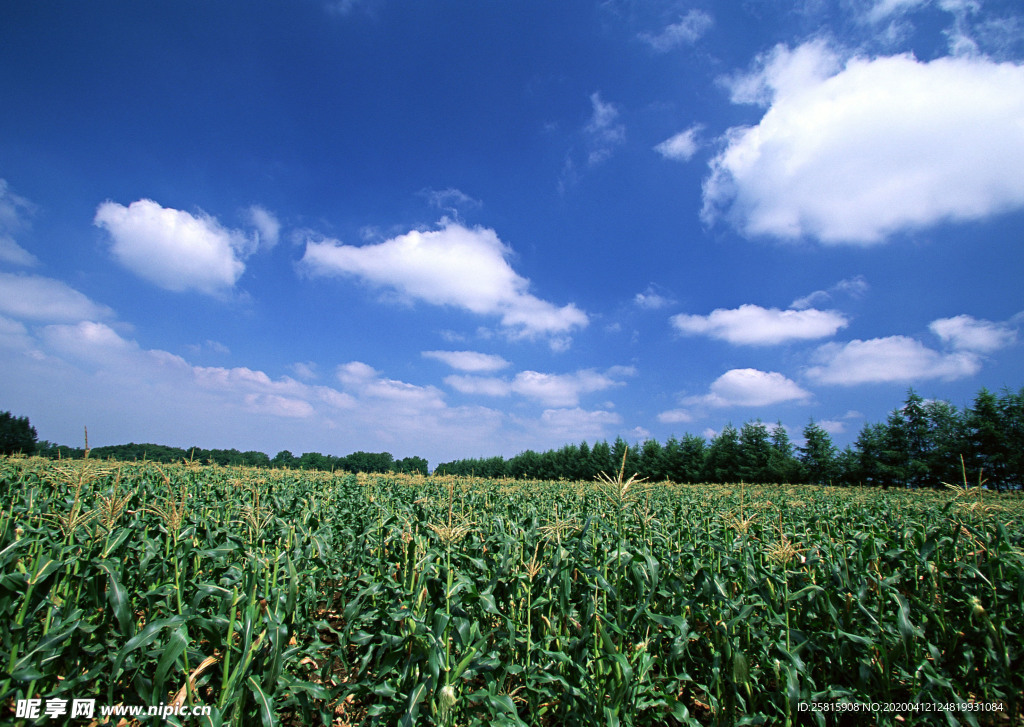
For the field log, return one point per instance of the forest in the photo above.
(923, 443)
(354, 462)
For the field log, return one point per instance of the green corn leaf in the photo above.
(140, 640)
(117, 597)
(266, 707)
(176, 645)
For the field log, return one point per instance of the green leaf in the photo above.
(266, 708)
(117, 597)
(176, 644)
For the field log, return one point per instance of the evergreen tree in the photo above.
(692, 461)
(1011, 410)
(722, 463)
(986, 440)
(601, 459)
(868, 450)
(652, 461)
(586, 465)
(16, 434)
(917, 440)
(755, 453)
(817, 455)
(948, 442)
(783, 466)
(895, 454)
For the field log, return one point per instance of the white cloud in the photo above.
(405, 399)
(13, 212)
(86, 373)
(603, 130)
(35, 298)
(453, 266)
(832, 426)
(305, 370)
(89, 341)
(174, 249)
(965, 333)
(560, 390)
(753, 325)
(749, 387)
(473, 361)
(268, 229)
(553, 390)
(480, 385)
(575, 424)
(854, 287)
(14, 254)
(682, 146)
(652, 299)
(882, 10)
(675, 416)
(450, 200)
(687, 31)
(854, 153)
(890, 359)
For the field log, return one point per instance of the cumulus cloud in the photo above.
(753, 325)
(682, 146)
(854, 152)
(966, 333)
(687, 31)
(472, 361)
(35, 298)
(749, 387)
(888, 360)
(174, 249)
(453, 266)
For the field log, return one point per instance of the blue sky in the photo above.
(461, 229)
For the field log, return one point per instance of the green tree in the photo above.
(817, 455)
(948, 442)
(917, 440)
(586, 466)
(601, 459)
(652, 461)
(722, 463)
(783, 466)
(755, 452)
(986, 440)
(16, 434)
(284, 458)
(1011, 410)
(868, 451)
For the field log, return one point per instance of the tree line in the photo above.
(17, 435)
(920, 444)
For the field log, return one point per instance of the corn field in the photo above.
(301, 598)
